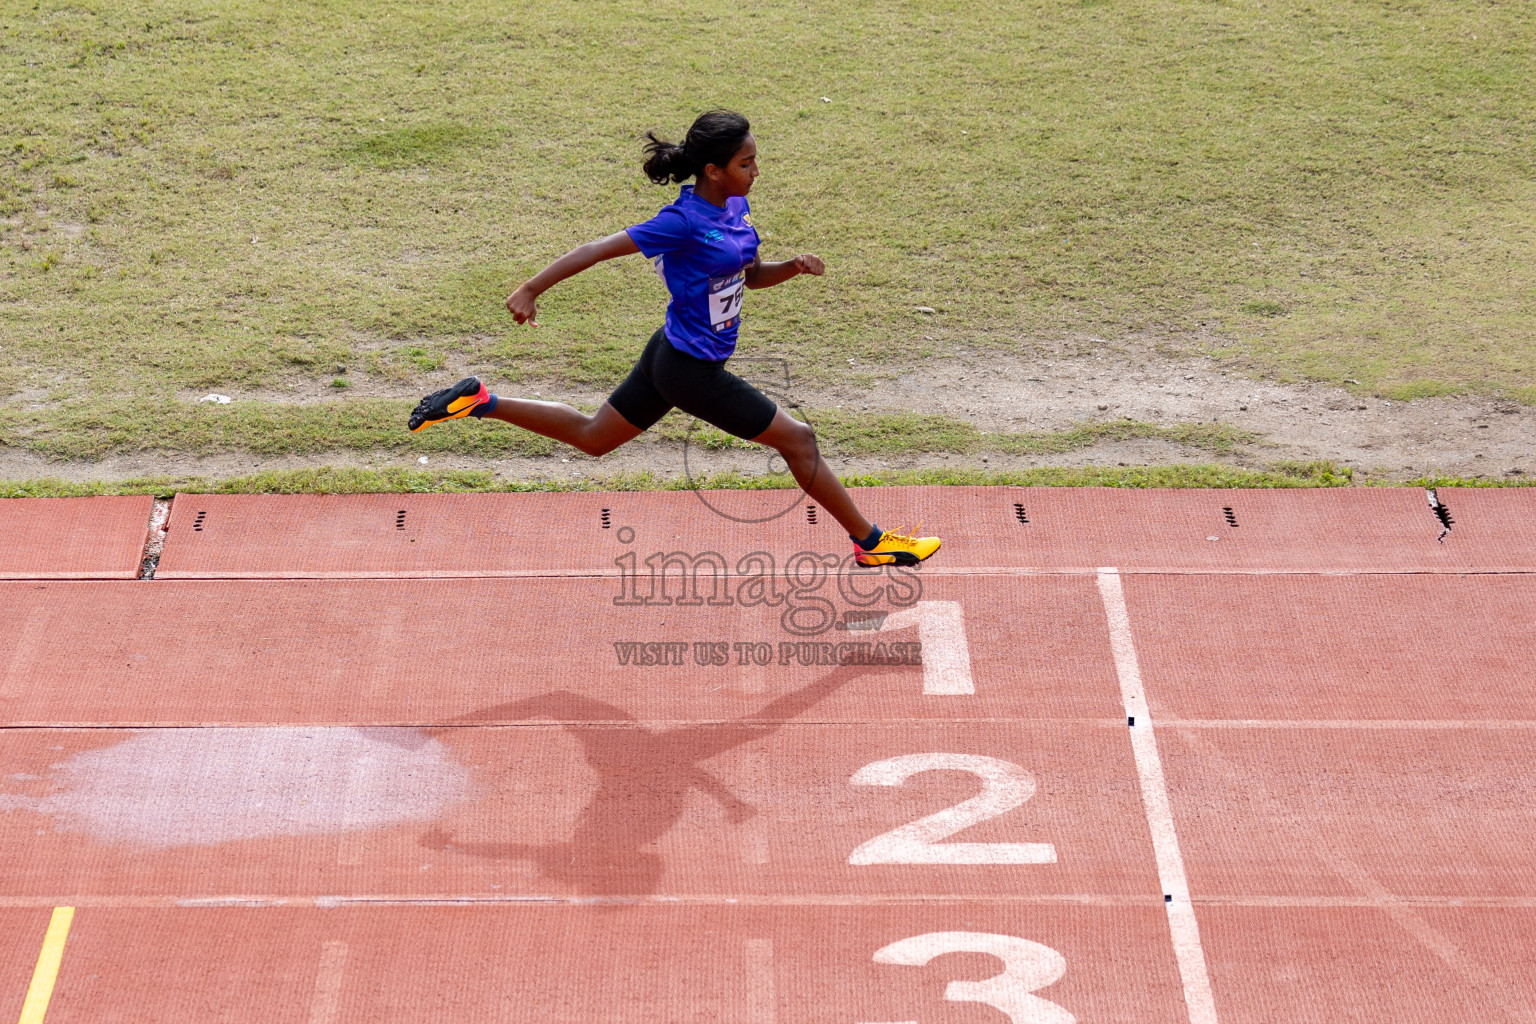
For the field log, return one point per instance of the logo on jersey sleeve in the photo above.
(725, 300)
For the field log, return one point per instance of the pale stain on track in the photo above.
(186, 787)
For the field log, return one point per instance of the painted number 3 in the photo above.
(1004, 786)
(1027, 967)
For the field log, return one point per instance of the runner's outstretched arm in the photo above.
(766, 275)
(597, 434)
(522, 303)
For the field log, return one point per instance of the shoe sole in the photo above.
(451, 416)
(891, 558)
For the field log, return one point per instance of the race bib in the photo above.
(725, 300)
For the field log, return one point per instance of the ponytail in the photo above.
(666, 161)
(715, 137)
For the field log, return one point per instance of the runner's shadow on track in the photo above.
(644, 779)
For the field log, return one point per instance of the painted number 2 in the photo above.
(1004, 787)
(1027, 967)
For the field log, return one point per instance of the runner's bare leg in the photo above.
(797, 443)
(597, 434)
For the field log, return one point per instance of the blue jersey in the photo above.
(701, 251)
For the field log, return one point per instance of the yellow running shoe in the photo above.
(448, 404)
(896, 549)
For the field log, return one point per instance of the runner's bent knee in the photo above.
(794, 440)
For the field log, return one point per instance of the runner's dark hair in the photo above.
(714, 138)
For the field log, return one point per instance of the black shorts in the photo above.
(664, 377)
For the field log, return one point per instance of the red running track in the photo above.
(372, 781)
(1044, 529)
(72, 538)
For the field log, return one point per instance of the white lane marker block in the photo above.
(328, 978)
(946, 651)
(762, 995)
(1154, 796)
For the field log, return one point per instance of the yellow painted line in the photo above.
(41, 989)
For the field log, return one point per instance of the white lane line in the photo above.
(390, 575)
(1305, 835)
(1154, 796)
(762, 995)
(906, 899)
(328, 978)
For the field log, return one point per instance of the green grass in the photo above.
(96, 430)
(847, 433)
(236, 194)
(87, 431)
(348, 480)
(352, 480)
(1465, 481)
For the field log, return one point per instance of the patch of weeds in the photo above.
(319, 480)
(403, 363)
(101, 428)
(412, 145)
(1462, 481)
(340, 382)
(295, 352)
(348, 480)
(1264, 308)
(1177, 476)
(852, 433)
(439, 303)
(1322, 472)
(352, 480)
(425, 361)
(13, 191)
(842, 432)
(1219, 438)
(308, 352)
(1409, 390)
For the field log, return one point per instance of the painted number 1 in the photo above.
(1004, 787)
(1027, 967)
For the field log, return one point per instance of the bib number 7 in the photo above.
(1027, 967)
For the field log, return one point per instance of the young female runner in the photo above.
(705, 248)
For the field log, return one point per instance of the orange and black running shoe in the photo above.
(448, 404)
(896, 549)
